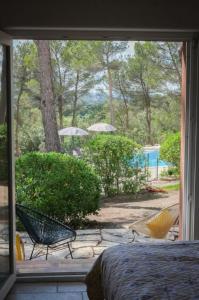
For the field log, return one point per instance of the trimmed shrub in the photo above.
(111, 155)
(170, 150)
(59, 185)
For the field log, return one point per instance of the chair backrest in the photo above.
(159, 224)
(41, 228)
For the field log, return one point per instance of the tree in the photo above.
(59, 75)
(121, 85)
(73, 76)
(106, 53)
(144, 85)
(146, 80)
(168, 59)
(78, 56)
(49, 119)
(24, 56)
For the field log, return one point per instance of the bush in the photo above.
(171, 171)
(111, 155)
(170, 150)
(57, 184)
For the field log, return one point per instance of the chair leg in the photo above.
(47, 252)
(70, 250)
(32, 251)
(134, 232)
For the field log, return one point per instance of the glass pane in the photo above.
(4, 199)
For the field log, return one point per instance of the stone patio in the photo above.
(91, 242)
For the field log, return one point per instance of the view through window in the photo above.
(97, 144)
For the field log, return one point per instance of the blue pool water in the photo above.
(149, 159)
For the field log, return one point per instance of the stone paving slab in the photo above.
(88, 231)
(118, 231)
(115, 238)
(86, 252)
(82, 244)
(92, 242)
(89, 237)
(107, 244)
(98, 250)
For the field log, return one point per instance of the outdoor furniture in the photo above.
(158, 225)
(44, 230)
(20, 253)
(102, 127)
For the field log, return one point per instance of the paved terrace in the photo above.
(91, 242)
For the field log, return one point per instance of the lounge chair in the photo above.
(44, 230)
(158, 225)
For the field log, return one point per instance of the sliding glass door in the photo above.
(7, 269)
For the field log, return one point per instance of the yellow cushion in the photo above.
(160, 224)
(20, 255)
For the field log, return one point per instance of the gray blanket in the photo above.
(146, 271)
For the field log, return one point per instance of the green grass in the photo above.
(172, 187)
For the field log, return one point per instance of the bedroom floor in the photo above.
(48, 291)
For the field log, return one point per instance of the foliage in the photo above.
(170, 150)
(172, 187)
(138, 83)
(110, 155)
(3, 153)
(171, 171)
(56, 184)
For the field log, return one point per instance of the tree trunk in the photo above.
(147, 105)
(110, 85)
(148, 120)
(52, 142)
(17, 118)
(60, 109)
(126, 105)
(74, 121)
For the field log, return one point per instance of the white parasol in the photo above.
(102, 127)
(72, 131)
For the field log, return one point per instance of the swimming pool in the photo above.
(150, 158)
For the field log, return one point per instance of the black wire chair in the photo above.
(44, 230)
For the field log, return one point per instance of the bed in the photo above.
(146, 271)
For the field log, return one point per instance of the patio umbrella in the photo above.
(72, 131)
(102, 127)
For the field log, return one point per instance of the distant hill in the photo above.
(94, 97)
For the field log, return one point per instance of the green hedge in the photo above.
(110, 155)
(57, 184)
(170, 150)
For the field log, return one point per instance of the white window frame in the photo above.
(191, 154)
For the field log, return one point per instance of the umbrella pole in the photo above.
(73, 144)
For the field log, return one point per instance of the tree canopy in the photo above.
(133, 85)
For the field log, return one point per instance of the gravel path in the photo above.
(120, 212)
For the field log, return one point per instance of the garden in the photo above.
(96, 181)
(77, 191)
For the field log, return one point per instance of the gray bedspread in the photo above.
(146, 271)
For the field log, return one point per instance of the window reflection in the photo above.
(4, 199)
